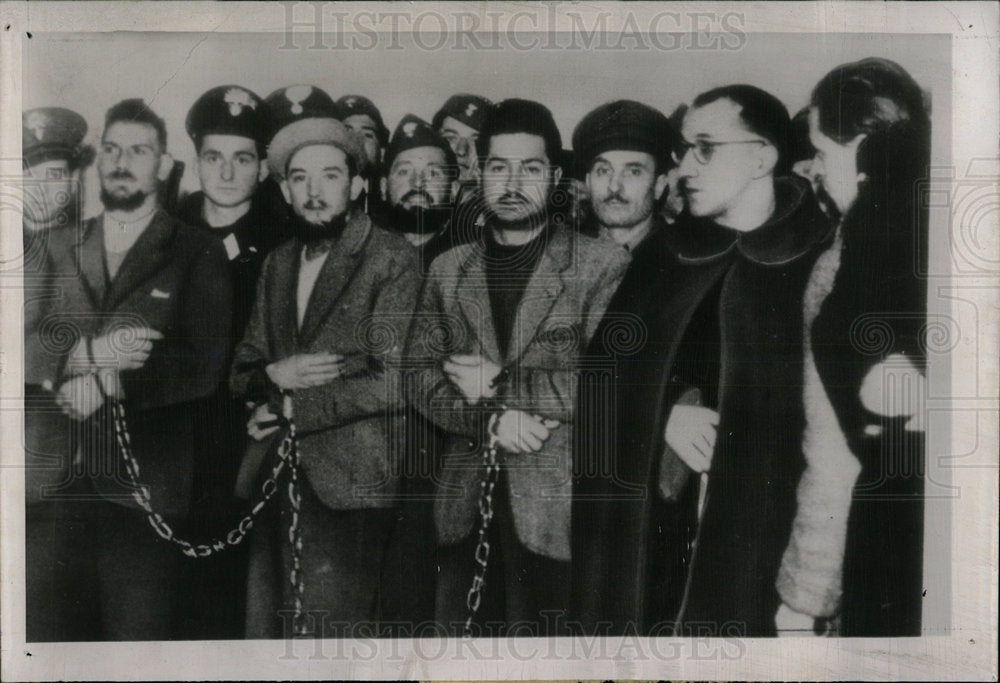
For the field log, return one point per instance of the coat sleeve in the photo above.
(377, 390)
(434, 335)
(190, 363)
(551, 391)
(248, 377)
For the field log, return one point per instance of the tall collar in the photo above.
(796, 227)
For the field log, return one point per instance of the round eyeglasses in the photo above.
(704, 150)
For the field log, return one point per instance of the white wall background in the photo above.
(89, 72)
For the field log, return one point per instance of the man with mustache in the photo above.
(149, 300)
(713, 388)
(495, 342)
(420, 181)
(325, 338)
(624, 148)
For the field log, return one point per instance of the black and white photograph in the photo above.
(445, 341)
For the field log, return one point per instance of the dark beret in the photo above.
(623, 125)
(413, 132)
(469, 109)
(354, 105)
(51, 132)
(229, 110)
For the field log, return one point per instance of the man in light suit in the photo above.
(495, 342)
(332, 311)
(148, 300)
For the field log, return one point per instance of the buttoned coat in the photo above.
(350, 432)
(174, 280)
(562, 304)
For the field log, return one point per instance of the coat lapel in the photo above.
(337, 271)
(474, 300)
(91, 246)
(541, 292)
(281, 299)
(144, 259)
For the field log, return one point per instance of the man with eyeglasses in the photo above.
(686, 506)
(495, 342)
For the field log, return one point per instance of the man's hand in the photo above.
(792, 624)
(79, 397)
(123, 348)
(305, 370)
(473, 376)
(519, 432)
(691, 433)
(261, 416)
(895, 387)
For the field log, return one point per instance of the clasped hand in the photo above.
(305, 370)
(520, 432)
(473, 375)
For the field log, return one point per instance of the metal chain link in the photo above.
(142, 496)
(491, 470)
(295, 533)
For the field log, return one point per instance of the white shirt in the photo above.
(308, 273)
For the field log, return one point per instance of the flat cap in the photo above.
(469, 109)
(229, 110)
(359, 105)
(51, 133)
(413, 132)
(623, 125)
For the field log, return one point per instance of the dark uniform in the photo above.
(58, 567)
(358, 105)
(219, 581)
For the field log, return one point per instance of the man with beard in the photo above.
(495, 340)
(324, 339)
(362, 117)
(149, 300)
(228, 125)
(420, 181)
(715, 389)
(56, 567)
(625, 148)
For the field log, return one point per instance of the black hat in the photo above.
(229, 110)
(297, 102)
(354, 105)
(51, 133)
(624, 125)
(413, 132)
(469, 109)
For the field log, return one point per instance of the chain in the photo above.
(295, 531)
(287, 454)
(491, 471)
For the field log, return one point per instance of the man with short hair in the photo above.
(325, 337)
(362, 117)
(714, 390)
(495, 341)
(228, 125)
(624, 148)
(150, 300)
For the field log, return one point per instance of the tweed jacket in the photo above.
(562, 305)
(350, 434)
(174, 280)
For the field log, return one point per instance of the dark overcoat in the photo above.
(719, 311)
(174, 280)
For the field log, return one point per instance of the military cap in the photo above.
(296, 102)
(413, 132)
(52, 133)
(229, 110)
(469, 109)
(354, 105)
(623, 125)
